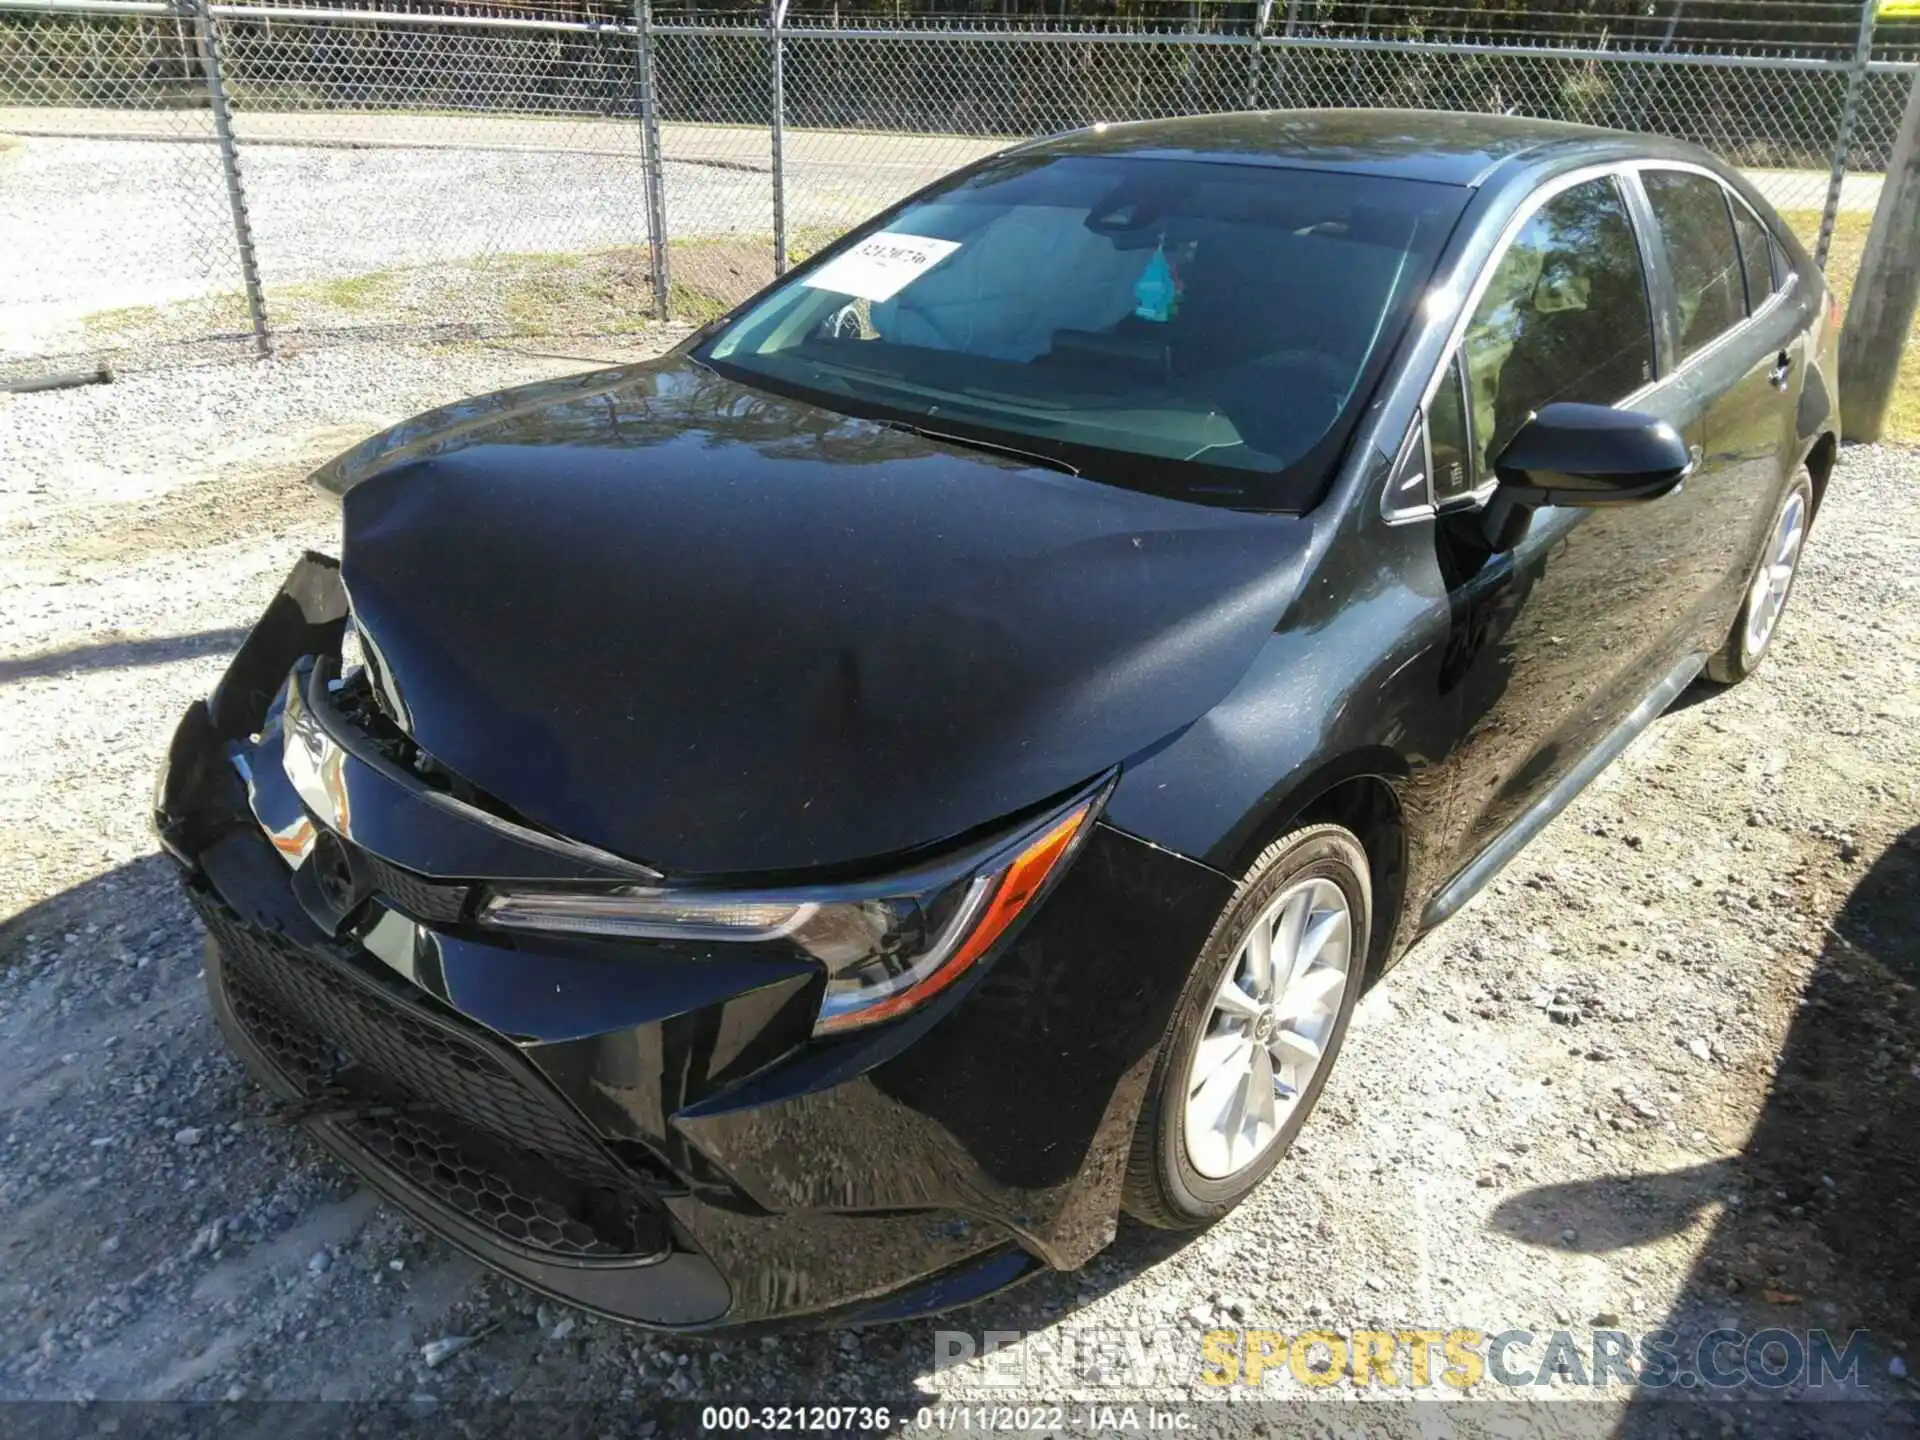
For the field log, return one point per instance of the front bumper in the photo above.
(644, 1129)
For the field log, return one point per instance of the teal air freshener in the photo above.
(1157, 290)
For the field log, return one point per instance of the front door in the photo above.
(1562, 615)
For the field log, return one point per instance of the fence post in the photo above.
(1643, 76)
(1282, 64)
(230, 166)
(776, 23)
(1843, 144)
(1886, 293)
(654, 187)
(1260, 20)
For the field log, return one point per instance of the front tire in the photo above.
(1255, 1031)
(1766, 598)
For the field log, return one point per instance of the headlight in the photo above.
(659, 914)
(886, 947)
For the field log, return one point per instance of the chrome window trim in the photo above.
(1516, 222)
(1426, 456)
(1474, 499)
(1777, 259)
(1774, 283)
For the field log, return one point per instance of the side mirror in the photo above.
(1592, 455)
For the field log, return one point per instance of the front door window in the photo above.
(1565, 317)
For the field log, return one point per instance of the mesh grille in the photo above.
(430, 1106)
(503, 1192)
(434, 901)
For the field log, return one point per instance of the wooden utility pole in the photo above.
(1887, 293)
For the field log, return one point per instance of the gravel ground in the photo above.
(1664, 1072)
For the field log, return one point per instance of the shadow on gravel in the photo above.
(1698, 693)
(1819, 1224)
(138, 903)
(120, 654)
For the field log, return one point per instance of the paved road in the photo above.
(908, 160)
(726, 145)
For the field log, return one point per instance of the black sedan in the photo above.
(817, 825)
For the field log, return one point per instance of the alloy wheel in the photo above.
(1273, 1015)
(1768, 595)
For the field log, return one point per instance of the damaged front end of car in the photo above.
(678, 1102)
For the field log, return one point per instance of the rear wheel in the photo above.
(1255, 1031)
(1766, 597)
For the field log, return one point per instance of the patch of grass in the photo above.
(592, 292)
(534, 299)
(1843, 267)
(694, 304)
(712, 273)
(356, 294)
(808, 241)
(584, 293)
(104, 323)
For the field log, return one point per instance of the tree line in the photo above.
(1800, 27)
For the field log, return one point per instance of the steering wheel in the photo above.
(1278, 418)
(842, 324)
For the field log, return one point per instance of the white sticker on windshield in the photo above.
(881, 266)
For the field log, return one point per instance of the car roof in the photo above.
(1448, 147)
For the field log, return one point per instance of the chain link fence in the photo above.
(188, 178)
(119, 232)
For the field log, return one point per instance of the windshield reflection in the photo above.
(1184, 326)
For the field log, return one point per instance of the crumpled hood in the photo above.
(719, 631)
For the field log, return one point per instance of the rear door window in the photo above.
(1756, 256)
(1565, 316)
(1697, 230)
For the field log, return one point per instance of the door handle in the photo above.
(1782, 368)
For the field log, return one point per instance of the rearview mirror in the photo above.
(1592, 455)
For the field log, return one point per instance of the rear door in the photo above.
(1740, 351)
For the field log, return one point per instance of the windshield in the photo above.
(1199, 329)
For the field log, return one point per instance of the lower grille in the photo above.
(437, 1110)
(506, 1192)
(438, 902)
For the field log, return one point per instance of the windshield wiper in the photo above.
(862, 392)
(1052, 462)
